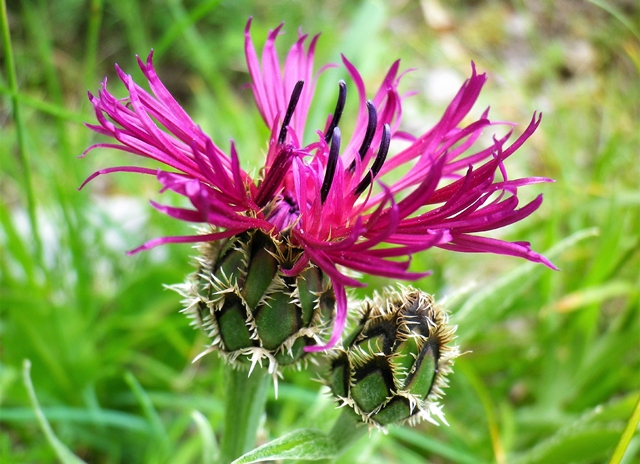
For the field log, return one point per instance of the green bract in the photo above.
(392, 367)
(249, 308)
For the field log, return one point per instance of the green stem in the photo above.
(244, 405)
(345, 431)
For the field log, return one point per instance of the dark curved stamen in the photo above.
(368, 136)
(335, 119)
(293, 101)
(334, 152)
(379, 161)
(274, 176)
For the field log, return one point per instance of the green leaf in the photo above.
(301, 444)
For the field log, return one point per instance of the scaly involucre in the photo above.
(328, 197)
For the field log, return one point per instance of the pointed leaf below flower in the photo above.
(301, 444)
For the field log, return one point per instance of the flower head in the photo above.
(393, 367)
(328, 196)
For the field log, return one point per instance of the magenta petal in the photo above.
(340, 319)
(380, 267)
(325, 263)
(134, 169)
(184, 239)
(183, 214)
(475, 244)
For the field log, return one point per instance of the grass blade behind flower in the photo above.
(627, 435)
(159, 431)
(210, 449)
(485, 306)
(20, 129)
(64, 454)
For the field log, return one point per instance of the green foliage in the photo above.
(552, 363)
(300, 444)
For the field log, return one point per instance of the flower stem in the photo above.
(347, 429)
(244, 405)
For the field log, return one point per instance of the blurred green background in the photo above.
(552, 372)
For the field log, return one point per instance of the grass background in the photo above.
(552, 373)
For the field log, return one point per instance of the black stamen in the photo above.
(368, 136)
(335, 119)
(382, 150)
(378, 162)
(334, 152)
(293, 101)
(273, 177)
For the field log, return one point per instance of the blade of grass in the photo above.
(200, 55)
(489, 409)
(32, 334)
(15, 245)
(210, 449)
(43, 106)
(159, 431)
(613, 11)
(38, 29)
(433, 446)
(596, 294)
(172, 401)
(607, 255)
(121, 420)
(93, 34)
(64, 454)
(20, 130)
(135, 28)
(487, 305)
(627, 435)
(183, 23)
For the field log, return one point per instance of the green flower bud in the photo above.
(392, 368)
(249, 308)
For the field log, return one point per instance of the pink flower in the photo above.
(328, 196)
